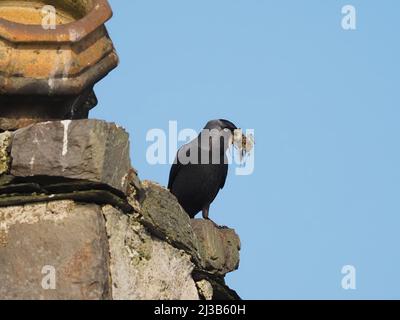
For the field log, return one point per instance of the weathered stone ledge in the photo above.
(18, 191)
(69, 199)
(214, 250)
(91, 150)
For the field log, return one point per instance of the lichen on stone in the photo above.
(5, 149)
(205, 289)
(143, 266)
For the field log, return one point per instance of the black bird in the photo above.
(201, 167)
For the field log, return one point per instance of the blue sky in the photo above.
(324, 104)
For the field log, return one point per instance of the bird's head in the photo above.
(229, 134)
(221, 129)
(221, 125)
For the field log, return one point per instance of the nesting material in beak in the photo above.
(244, 144)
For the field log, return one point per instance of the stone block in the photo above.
(91, 150)
(218, 247)
(162, 214)
(56, 250)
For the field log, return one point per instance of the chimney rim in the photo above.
(71, 32)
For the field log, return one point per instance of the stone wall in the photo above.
(77, 223)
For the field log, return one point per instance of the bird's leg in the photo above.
(205, 211)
